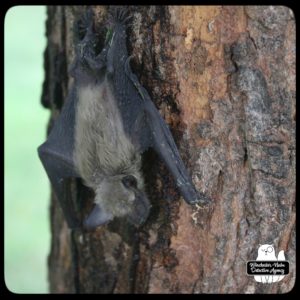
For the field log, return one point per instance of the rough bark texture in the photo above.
(223, 78)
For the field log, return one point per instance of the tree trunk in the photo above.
(223, 78)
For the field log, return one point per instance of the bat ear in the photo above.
(141, 209)
(96, 218)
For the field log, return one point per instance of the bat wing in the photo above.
(163, 143)
(56, 155)
(165, 146)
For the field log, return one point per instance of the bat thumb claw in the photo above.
(203, 200)
(191, 196)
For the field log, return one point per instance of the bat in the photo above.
(106, 123)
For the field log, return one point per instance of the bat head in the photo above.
(119, 196)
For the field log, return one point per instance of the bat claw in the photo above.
(191, 196)
(203, 200)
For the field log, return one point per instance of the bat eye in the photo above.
(129, 181)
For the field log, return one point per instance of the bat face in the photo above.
(107, 122)
(118, 196)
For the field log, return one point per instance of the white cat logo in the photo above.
(265, 253)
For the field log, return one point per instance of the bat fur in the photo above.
(103, 152)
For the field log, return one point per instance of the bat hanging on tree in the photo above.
(107, 122)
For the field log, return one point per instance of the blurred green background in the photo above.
(26, 204)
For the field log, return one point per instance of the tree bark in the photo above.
(223, 78)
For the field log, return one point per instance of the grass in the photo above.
(26, 203)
